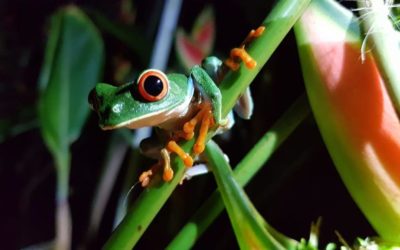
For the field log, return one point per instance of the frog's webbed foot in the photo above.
(146, 176)
(240, 54)
(206, 119)
(164, 163)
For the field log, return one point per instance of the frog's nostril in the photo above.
(93, 100)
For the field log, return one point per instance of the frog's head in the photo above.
(149, 101)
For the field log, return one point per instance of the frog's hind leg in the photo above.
(164, 163)
(168, 173)
(240, 54)
(146, 176)
(172, 146)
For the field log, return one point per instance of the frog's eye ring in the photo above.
(153, 85)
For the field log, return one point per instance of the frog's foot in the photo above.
(240, 54)
(253, 34)
(206, 118)
(168, 173)
(146, 176)
(207, 121)
(172, 146)
(189, 126)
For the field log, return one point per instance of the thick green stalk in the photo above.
(384, 43)
(63, 213)
(279, 22)
(146, 207)
(251, 230)
(243, 173)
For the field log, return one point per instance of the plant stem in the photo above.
(63, 214)
(277, 24)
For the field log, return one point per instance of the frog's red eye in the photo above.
(153, 85)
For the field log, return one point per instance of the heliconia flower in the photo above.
(354, 112)
(192, 49)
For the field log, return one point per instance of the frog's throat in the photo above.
(158, 117)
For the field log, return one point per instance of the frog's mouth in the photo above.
(155, 118)
(151, 119)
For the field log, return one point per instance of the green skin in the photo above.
(122, 106)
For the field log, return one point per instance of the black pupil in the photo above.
(153, 85)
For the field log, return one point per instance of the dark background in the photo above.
(298, 185)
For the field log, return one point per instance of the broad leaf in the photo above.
(354, 112)
(73, 62)
(251, 230)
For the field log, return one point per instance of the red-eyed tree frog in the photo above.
(175, 103)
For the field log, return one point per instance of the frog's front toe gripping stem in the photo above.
(172, 146)
(240, 54)
(207, 120)
(204, 116)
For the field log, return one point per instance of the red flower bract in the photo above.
(354, 113)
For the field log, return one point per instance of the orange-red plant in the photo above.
(354, 112)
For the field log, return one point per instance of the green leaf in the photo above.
(72, 65)
(244, 171)
(352, 108)
(251, 230)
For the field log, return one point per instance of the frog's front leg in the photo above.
(210, 93)
(209, 114)
(210, 109)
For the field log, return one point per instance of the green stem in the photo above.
(277, 24)
(146, 207)
(63, 214)
(245, 170)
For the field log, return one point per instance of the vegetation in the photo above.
(325, 97)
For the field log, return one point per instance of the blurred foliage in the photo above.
(299, 185)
